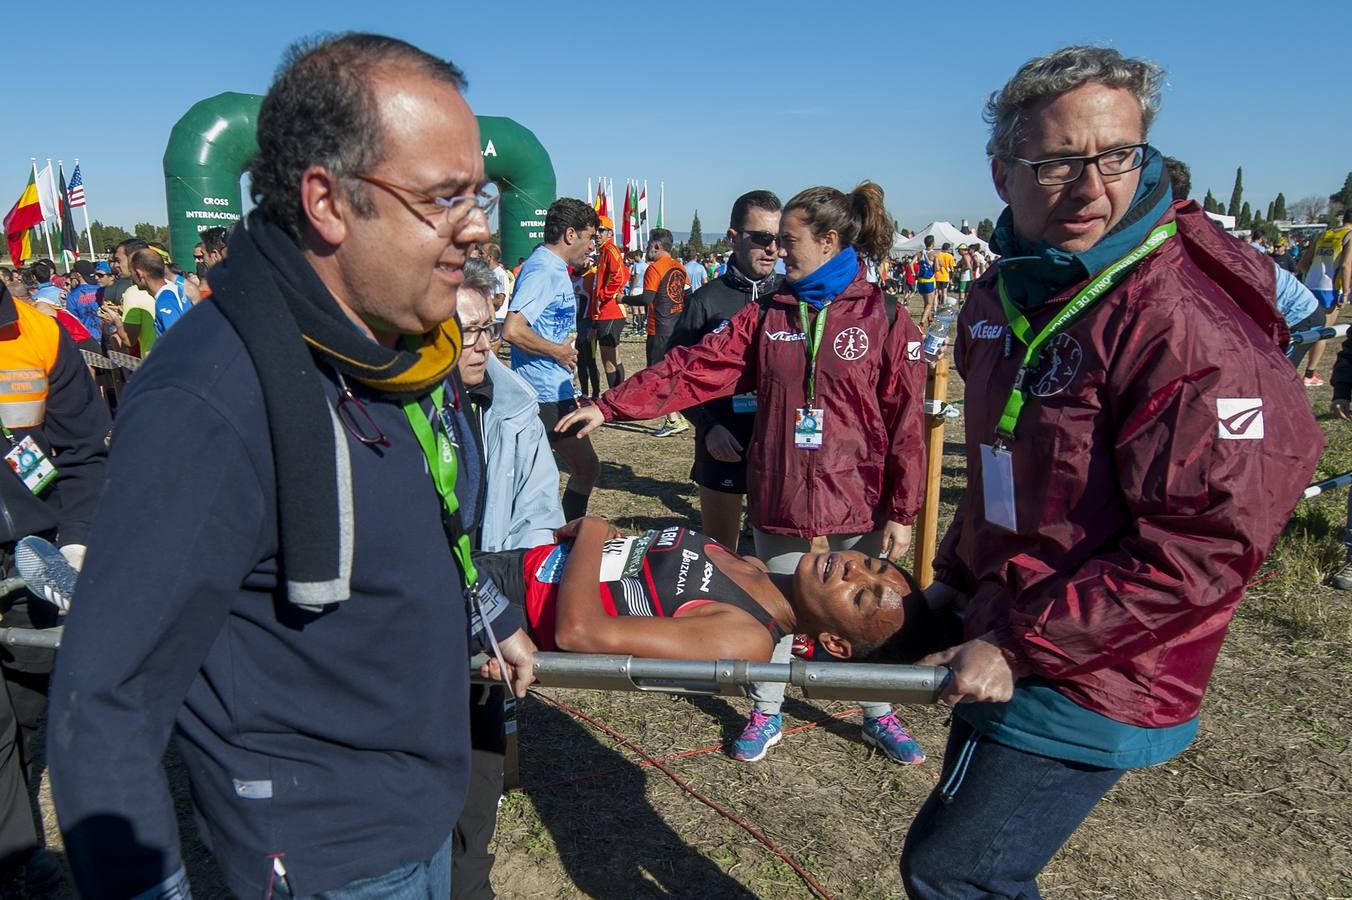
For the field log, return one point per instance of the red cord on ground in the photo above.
(654, 762)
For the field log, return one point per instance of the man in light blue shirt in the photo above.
(540, 317)
(696, 272)
(1300, 310)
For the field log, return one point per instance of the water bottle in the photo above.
(937, 335)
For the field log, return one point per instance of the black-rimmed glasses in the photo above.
(1068, 169)
(358, 422)
(470, 335)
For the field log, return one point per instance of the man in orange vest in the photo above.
(611, 278)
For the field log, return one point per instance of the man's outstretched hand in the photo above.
(590, 416)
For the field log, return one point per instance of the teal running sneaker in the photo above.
(886, 733)
(760, 734)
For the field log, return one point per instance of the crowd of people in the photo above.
(352, 493)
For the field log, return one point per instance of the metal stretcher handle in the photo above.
(49, 638)
(733, 677)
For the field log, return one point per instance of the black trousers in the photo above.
(18, 836)
(471, 863)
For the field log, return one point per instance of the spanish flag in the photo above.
(26, 213)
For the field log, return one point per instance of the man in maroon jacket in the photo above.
(1135, 444)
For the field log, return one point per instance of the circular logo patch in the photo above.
(851, 344)
(1059, 366)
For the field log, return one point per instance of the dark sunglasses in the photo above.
(761, 239)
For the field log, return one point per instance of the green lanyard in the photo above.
(443, 463)
(1104, 282)
(814, 343)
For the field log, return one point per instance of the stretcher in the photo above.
(872, 682)
(859, 682)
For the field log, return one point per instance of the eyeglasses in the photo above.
(761, 239)
(471, 334)
(455, 212)
(358, 422)
(1068, 169)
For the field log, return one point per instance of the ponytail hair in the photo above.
(859, 217)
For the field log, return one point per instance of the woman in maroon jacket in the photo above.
(837, 457)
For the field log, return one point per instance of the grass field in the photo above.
(1257, 807)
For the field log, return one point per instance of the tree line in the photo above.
(1312, 209)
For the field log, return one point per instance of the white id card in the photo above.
(997, 486)
(31, 465)
(744, 403)
(807, 428)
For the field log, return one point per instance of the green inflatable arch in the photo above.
(212, 144)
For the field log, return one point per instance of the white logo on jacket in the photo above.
(786, 335)
(1239, 418)
(986, 331)
(851, 344)
(913, 350)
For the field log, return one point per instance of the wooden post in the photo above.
(928, 543)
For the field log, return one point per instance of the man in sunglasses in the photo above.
(723, 427)
(1135, 443)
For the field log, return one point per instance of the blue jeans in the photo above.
(430, 880)
(995, 819)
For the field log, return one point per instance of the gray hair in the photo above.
(1061, 71)
(479, 277)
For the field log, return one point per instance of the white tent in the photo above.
(944, 233)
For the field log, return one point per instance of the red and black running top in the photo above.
(659, 573)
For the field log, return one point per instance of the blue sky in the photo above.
(718, 98)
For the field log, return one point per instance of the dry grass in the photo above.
(1257, 807)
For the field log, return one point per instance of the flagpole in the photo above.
(46, 235)
(85, 207)
(62, 200)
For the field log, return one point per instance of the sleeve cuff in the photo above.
(489, 606)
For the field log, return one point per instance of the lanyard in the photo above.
(440, 449)
(1104, 282)
(814, 343)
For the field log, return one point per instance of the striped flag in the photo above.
(26, 213)
(76, 188)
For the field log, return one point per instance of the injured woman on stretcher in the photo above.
(677, 594)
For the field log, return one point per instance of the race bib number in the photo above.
(621, 557)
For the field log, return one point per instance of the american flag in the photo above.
(75, 189)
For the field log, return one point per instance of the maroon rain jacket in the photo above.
(1166, 441)
(870, 383)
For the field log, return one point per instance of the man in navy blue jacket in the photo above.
(292, 598)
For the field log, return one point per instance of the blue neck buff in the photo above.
(1033, 272)
(822, 285)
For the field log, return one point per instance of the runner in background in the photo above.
(610, 279)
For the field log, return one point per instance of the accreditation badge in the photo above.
(32, 466)
(807, 428)
(997, 486)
